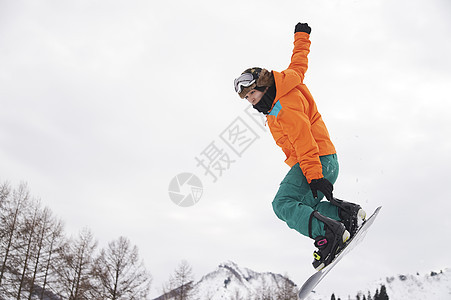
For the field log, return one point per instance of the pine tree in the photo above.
(120, 273)
(76, 269)
(13, 204)
(376, 296)
(25, 254)
(52, 255)
(25, 228)
(14, 215)
(383, 293)
(37, 261)
(180, 286)
(332, 297)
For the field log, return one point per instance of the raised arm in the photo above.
(299, 61)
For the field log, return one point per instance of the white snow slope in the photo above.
(229, 282)
(432, 286)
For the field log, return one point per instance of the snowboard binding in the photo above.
(351, 215)
(316, 278)
(331, 243)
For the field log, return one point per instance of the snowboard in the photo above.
(316, 278)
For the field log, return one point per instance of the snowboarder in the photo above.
(298, 128)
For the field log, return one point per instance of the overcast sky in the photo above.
(103, 103)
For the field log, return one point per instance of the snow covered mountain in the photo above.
(232, 282)
(432, 286)
(229, 281)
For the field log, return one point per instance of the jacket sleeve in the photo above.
(296, 126)
(299, 61)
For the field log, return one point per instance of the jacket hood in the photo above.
(286, 81)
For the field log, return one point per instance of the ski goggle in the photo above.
(245, 80)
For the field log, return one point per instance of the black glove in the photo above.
(323, 185)
(302, 27)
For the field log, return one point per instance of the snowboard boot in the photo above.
(351, 215)
(331, 243)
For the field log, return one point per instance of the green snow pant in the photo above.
(294, 202)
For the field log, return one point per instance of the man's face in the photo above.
(254, 96)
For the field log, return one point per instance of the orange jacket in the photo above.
(294, 120)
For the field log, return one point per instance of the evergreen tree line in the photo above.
(381, 294)
(37, 260)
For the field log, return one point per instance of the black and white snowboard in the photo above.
(316, 278)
